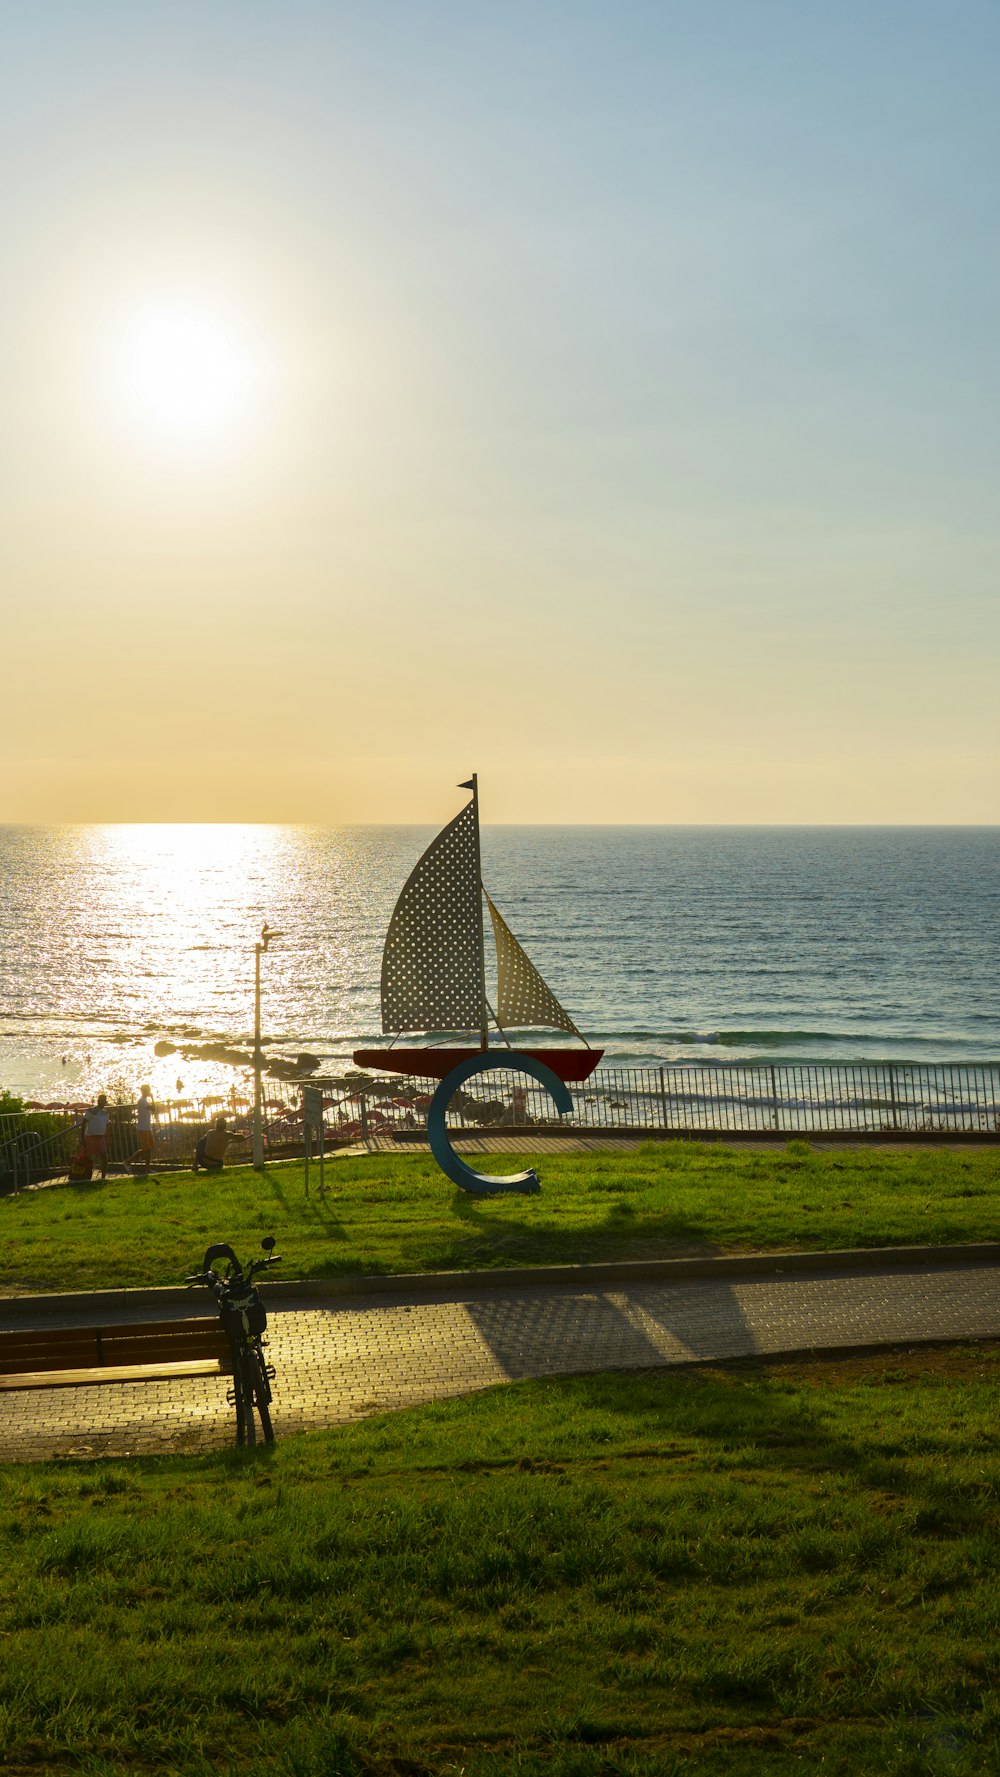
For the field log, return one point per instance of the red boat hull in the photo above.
(433, 1064)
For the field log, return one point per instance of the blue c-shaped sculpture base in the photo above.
(482, 1184)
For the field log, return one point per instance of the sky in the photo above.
(601, 397)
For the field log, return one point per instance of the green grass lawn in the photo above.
(745, 1571)
(389, 1213)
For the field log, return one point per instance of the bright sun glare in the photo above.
(187, 371)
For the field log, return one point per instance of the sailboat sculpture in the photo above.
(434, 968)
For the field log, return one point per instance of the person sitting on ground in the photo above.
(95, 1134)
(144, 1123)
(210, 1151)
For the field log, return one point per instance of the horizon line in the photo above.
(624, 826)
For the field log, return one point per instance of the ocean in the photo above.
(127, 951)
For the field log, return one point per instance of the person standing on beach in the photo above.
(144, 1123)
(95, 1135)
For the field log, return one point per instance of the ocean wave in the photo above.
(768, 1039)
(597, 1037)
(775, 1038)
(869, 1039)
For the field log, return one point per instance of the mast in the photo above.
(484, 1028)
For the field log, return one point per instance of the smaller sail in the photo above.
(523, 998)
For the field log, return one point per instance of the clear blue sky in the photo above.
(627, 425)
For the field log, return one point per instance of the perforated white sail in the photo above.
(432, 963)
(523, 998)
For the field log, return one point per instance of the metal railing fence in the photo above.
(33, 1145)
(791, 1098)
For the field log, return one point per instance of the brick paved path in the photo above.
(364, 1355)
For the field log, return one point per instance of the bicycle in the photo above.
(244, 1319)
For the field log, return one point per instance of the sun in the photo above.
(186, 371)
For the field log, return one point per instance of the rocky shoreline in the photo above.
(278, 1067)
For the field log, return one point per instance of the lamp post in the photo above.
(266, 934)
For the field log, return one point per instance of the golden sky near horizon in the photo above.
(599, 409)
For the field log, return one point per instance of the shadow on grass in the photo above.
(752, 1421)
(86, 1187)
(618, 1235)
(315, 1207)
(752, 1409)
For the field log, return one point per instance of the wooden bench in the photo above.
(82, 1357)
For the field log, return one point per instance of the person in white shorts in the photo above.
(144, 1123)
(95, 1135)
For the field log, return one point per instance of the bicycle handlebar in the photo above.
(236, 1274)
(259, 1264)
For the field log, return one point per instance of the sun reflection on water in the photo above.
(135, 936)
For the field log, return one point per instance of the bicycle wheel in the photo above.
(265, 1375)
(242, 1401)
(254, 1395)
(245, 1429)
(261, 1392)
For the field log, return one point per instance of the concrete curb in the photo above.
(565, 1277)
